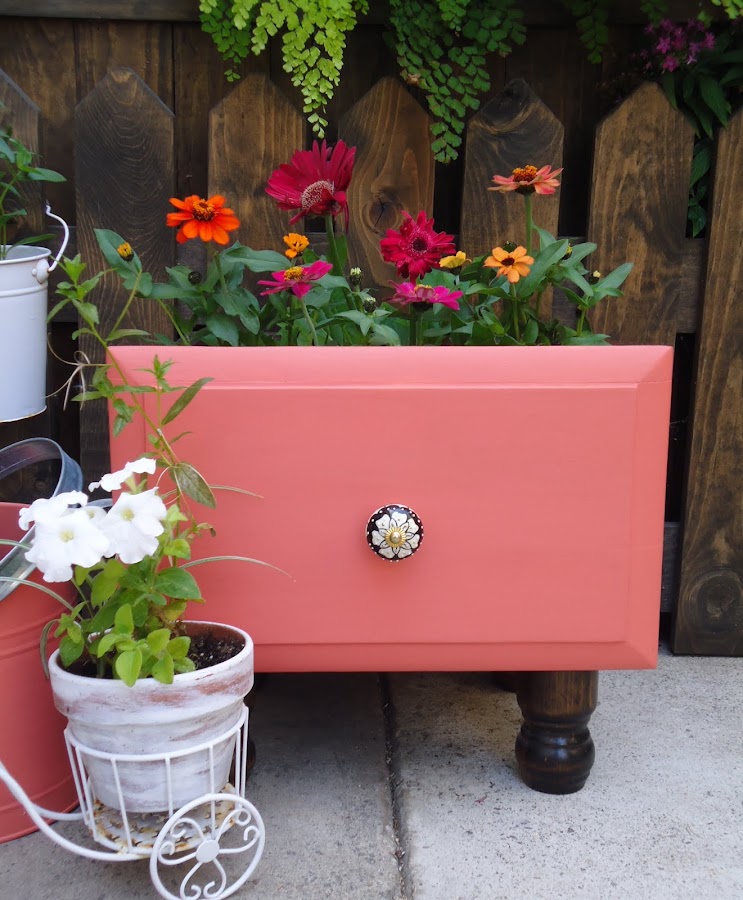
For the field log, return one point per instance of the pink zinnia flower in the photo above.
(297, 279)
(416, 248)
(529, 180)
(314, 182)
(407, 292)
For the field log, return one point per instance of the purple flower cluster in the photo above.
(675, 46)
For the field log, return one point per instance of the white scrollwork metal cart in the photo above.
(217, 838)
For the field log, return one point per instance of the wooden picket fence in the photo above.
(128, 161)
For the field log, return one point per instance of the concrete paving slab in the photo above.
(320, 783)
(659, 819)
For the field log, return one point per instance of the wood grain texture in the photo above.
(38, 55)
(21, 114)
(709, 616)
(513, 129)
(124, 140)
(145, 48)
(394, 170)
(642, 164)
(553, 63)
(537, 12)
(251, 132)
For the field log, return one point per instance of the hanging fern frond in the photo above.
(313, 36)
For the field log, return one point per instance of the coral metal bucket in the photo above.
(31, 730)
(23, 309)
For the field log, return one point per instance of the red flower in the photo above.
(416, 248)
(297, 279)
(209, 219)
(424, 293)
(314, 182)
(529, 180)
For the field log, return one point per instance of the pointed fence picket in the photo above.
(127, 167)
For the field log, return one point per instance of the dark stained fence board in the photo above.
(252, 132)
(394, 170)
(21, 114)
(641, 170)
(124, 139)
(709, 616)
(38, 56)
(513, 129)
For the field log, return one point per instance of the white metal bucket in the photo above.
(23, 305)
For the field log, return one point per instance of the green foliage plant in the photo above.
(17, 170)
(130, 564)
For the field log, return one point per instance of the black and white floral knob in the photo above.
(394, 532)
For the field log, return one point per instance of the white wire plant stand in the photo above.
(210, 845)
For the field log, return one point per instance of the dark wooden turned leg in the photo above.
(554, 748)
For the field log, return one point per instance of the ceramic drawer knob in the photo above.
(394, 532)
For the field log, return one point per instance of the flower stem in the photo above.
(333, 255)
(529, 221)
(516, 310)
(221, 273)
(415, 336)
(308, 319)
(581, 322)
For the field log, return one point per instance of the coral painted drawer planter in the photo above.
(535, 477)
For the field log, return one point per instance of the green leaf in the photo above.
(178, 647)
(163, 670)
(223, 328)
(128, 665)
(714, 97)
(124, 620)
(70, 650)
(108, 641)
(158, 640)
(191, 483)
(176, 582)
(185, 398)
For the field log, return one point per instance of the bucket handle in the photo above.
(18, 456)
(42, 269)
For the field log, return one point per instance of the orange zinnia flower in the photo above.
(529, 180)
(209, 219)
(297, 244)
(514, 264)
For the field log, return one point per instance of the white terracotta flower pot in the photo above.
(23, 308)
(152, 718)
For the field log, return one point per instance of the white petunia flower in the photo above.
(114, 480)
(72, 538)
(50, 508)
(133, 525)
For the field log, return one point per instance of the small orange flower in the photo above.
(297, 244)
(514, 264)
(209, 219)
(125, 251)
(529, 180)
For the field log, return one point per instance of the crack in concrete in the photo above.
(394, 782)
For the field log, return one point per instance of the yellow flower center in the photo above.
(293, 274)
(127, 515)
(203, 211)
(395, 537)
(66, 536)
(526, 173)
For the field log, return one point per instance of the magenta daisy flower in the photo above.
(314, 182)
(416, 248)
(407, 292)
(297, 279)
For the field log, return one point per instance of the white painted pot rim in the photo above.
(115, 697)
(24, 253)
